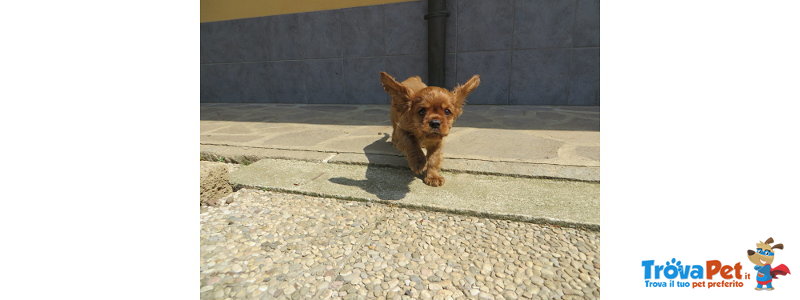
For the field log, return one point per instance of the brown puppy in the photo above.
(421, 117)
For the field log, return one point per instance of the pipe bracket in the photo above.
(437, 14)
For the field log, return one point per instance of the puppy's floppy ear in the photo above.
(394, 88)
(401, 94)
(777, 246)
(462, 91)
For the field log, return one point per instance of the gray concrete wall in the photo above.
(544, 52)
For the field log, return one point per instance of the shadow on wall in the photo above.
(385, 183)
(578, 118)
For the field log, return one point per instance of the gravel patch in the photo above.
(267, 245)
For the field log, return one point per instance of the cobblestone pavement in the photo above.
(267, 245)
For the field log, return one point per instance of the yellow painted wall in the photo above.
(219, 10)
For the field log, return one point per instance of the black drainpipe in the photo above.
(437, 18)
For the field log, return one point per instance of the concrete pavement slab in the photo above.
(247, 155)
(472, 166)
(569, 203)
(546, 135)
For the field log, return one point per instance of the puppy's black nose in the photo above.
(435, 123)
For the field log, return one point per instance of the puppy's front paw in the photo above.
(434, 180)
(417, 165)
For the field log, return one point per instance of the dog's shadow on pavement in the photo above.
(384, 182)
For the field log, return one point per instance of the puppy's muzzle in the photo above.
(435, 123)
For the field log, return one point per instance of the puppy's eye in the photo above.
(422, 112)
(447, 111)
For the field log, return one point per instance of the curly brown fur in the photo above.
(422, 117)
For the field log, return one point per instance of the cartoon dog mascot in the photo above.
(763, 257)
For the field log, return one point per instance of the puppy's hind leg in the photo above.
(404, 142)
